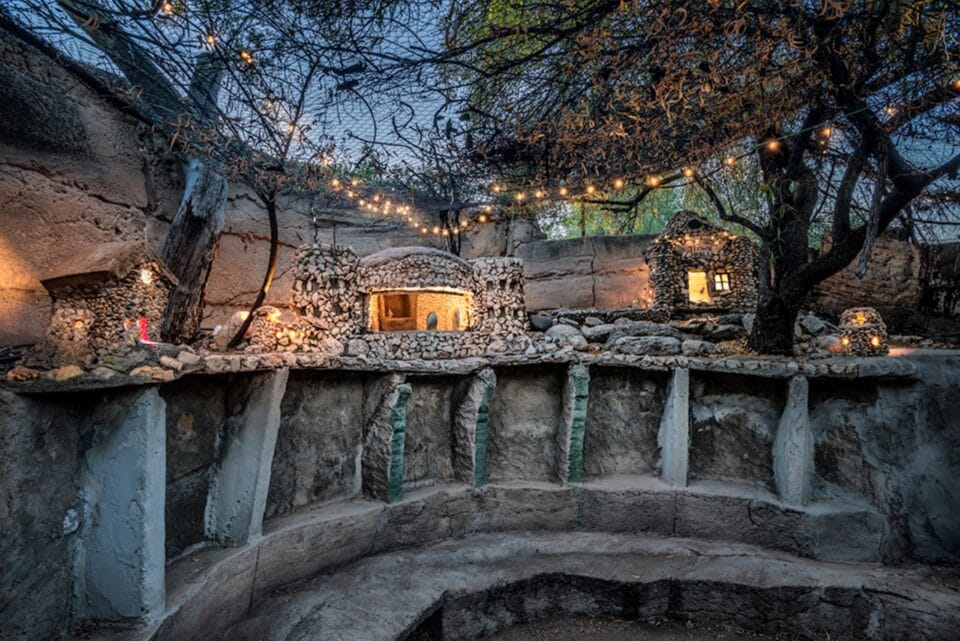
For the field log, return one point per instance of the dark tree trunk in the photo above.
(772, 331)
(190, 245)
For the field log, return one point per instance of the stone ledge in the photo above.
(203, 587)
(882, 368)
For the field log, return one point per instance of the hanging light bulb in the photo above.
(246, 56)
(689, 173)
(335, 183)
(591, 189)
(653, 181)
(773, 145)
(520, 196)
(211, 39)
(890, 110)
(167, 8)
(563, 191)
(482, 218)
(730, 161)
(618, 183)
(539, 193)
(826, 132)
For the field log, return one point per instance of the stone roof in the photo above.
(109, 261)
(394, 254)
(688, 222)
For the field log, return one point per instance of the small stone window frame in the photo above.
(721, 282)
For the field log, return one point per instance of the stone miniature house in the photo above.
(698, 266)
(408, 301)
(107, 297)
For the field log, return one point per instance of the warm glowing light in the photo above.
(773, 145)
(292, 127)
(890, 110)
(730, 161)
(591, 189)
(363, 203)
(211, 39)
(335, 183)
(464, 224)
(956, 84)
(424, 230)
(146, 276)
(860, 319)
(497, 189)
(487, 208)
(875, 341)
(539, 193)
(826, 132)
(520, 196)
(689, 173)
(618, 183)
(563, 191)
(482, 218)
(436, 230)
(653, 181)
(167, 8)
(246, 56)
(355, 182)
(845, 340)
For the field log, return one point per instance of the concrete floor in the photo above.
(615, 630)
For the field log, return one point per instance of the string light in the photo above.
(773, 145)
(890, 110)
(689, 173)
(246, 56)
(482, 218)
(167, 8)
(653, 181)
(539, 193)
(520, 196)
(730, 161)
(618, 183)
(211, 39)
(355, 182)
(563, 191)
(826, 132)
(591, 189)
(956, 84)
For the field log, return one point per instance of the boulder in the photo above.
(592, 321)
(642, 328)
(747, 322)
(597, 333)
(541, 322)
(357, 347)
(65, 373)
(693, 347)
(648, 345)
(728, 332)
(565, 335)
(813, 325)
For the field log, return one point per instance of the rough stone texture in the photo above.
(689, 242)
(318, 445)
(793, 445)
(241, 478)
(471, 427)
(573, 414)
(39, 513)
(120, 561)
(606, 272)
(524, 420)
(428, 447)
(733, 427)
(621, 426)
(196, 419)
(647, 345)
(891, 284)
(384, 424)
(674, 435)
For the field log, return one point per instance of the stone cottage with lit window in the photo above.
(107, 297)
(697, 266)
(408, 302)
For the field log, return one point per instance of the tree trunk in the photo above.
(772, 331)
(190, 245)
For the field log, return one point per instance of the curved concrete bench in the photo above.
(464, 590)
(212, 588)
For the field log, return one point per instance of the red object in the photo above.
(143, 324)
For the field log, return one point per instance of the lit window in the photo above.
(721, 282)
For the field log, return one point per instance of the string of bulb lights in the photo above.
(378, 202)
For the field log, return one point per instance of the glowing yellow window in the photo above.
(697, 287)
(721, 282)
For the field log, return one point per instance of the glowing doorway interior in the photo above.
(420, 310)
(697, 287)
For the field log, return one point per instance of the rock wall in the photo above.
(75, 171)
(892, 285)
(606, 272)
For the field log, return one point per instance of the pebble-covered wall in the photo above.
(728, 263)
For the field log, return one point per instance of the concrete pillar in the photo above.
(384, 429)
(674, 435)
(238, 489)
(573, 417)
(793, 446)
(120, 555)
(470, 428)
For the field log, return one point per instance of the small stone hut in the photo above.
(107, 296)
(402, 295)
(697, 266)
